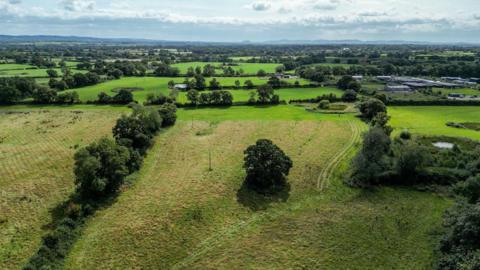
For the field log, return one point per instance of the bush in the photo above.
(100, 168)
(348, 82)
(371, 162)
(266, 166)
(168, 112)
(470, 189)
(324, 104)
(349, 96)
(371, 107)
(410, 161)
(405, 135)
(44, 95)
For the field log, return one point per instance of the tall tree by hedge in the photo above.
(100, 168)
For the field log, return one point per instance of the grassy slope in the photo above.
(431, 120)
(36, 151)
(181, 215)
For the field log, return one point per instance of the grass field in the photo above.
(431, 120)
(285, 94)
(180, 215)
(153, 85)
(248, 68)
(4, 67)
(33, 72)
(465, 91)
(36, 160)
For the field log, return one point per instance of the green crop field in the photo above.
(155, 85)
(36, 163)
(248, 68)
(432, 120)
(180, 215)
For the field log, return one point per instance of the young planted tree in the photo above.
(267, 166)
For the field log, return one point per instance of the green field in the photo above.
(285, 94)
(36, 163)
(155, 85)
(431, 120)
(180, 215)
(33, 72)
(4, 67)
(248, 68)
(465, 91)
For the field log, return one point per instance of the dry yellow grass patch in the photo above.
(36, 161)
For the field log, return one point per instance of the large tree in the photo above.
(266, 166)
(100, 168)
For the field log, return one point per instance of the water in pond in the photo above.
(444, 145)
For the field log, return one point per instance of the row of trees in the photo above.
(321, 73)
(74, 81)
(100, 169)
(210, 98)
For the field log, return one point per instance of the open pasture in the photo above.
(155, 85)
(285, 94)
(432, 120)
(37, 73)
(248, 68)
(36, 163)
(181, 215)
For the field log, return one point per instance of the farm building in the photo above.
(397, 88)
(358, 77)
(180, 87)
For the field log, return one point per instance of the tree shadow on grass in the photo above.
(258, 201)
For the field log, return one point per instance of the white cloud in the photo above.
(260, 6)
(78, 5)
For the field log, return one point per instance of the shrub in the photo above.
(44, 95)
(266, 166)
(369, 164)
(349, 96)
(410, 161)
(324, 104)
(100, 168)
(405, 135)
(371, 107)
(470, 189)
(348, 82)
(168, 112)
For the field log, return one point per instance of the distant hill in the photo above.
(78, 39)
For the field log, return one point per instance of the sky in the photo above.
(246, 20)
